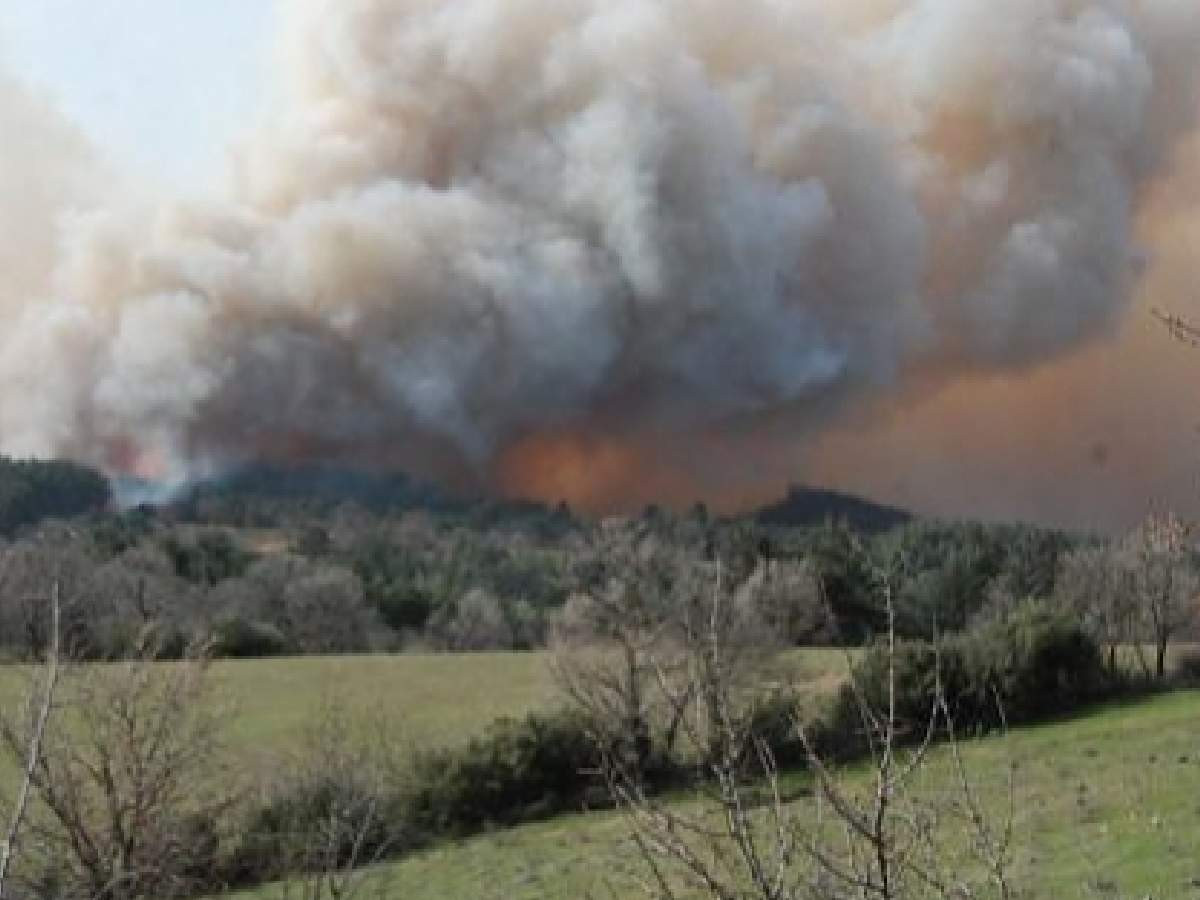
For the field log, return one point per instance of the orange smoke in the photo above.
(595, 474)
(125, 456)
(603, 475)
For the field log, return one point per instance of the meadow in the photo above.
(426, 700)
(422, 700)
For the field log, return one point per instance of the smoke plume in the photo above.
(615, 250)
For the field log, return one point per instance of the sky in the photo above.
(160, 87)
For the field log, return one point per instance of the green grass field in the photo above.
(427, 700)
(424, 700)
(1108, 805)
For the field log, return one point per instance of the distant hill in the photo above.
(813, 506)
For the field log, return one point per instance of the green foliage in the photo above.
(33, 490)
(1038, 662)
(1186, 668)
(118, 532)
(520, 769)
(239, 638)
(207, 557)
(403, 606)
(944, 570)
(391, 576)
(1033, 664)
(848, 583)
(255, 494)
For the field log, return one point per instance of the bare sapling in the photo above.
(875, 834)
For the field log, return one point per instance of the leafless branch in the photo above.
(10, 848)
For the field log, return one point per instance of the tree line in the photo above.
(352, 579)
(34, 490)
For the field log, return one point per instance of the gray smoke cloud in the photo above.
(467, 225)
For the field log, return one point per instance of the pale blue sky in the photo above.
(160, 86)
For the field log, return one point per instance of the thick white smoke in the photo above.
(468, 223)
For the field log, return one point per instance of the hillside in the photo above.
(1105, 807)
(814, 506)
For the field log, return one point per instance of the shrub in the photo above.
(1037, 662)
(521, 769)
(240, 638)
(316, 820)
(402, 605)
(773, 720)
(1033, 664)
(1186, 671)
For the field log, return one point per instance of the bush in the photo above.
(240, 638)
(312, 821)
(773, 720)
(1033, 664)
(1037, 663)
(402, 606)
(521, 769)
(1186, 671)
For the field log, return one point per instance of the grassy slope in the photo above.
(1108, 806)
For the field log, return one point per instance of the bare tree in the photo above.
(619, 643)
(783, 598)
(330, 808)
(741, 839)
(607, 637)
(55, 554)
(1095, 582)
(325, 611)
(472, 623)
(1179, 327)
(39, 703)
(1164, 580)
(129, 781)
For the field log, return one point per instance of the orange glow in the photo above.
(593, 474)
(127, 457)
(603, 475)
